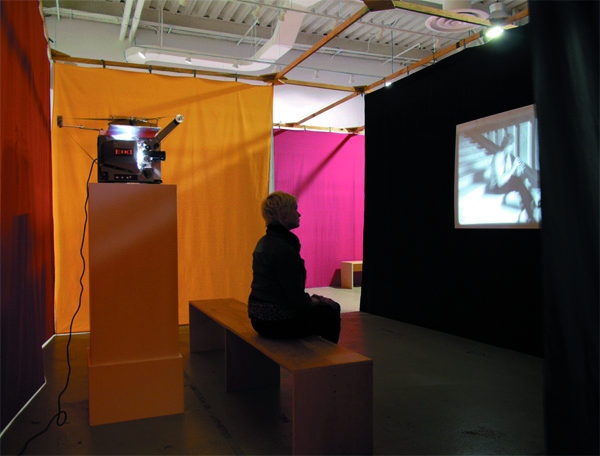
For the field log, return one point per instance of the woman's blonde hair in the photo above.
(277, 206)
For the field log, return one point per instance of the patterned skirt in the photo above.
(267, 311)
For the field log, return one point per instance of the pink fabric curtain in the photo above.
(326, 171)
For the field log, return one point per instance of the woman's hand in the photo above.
(323, 301)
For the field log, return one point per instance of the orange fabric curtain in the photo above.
(218, 158)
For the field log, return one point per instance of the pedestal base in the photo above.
(135, 390)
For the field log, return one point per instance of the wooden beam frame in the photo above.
(431, 58)
(322, 42)
(331, 106)
(350, 130)
(58, 56)
(279, 78)
(439, 54)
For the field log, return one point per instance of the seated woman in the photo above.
(279, 306)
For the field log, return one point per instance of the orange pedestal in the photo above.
(135, 369)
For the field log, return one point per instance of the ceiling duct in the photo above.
(283, 39)
(161, 56)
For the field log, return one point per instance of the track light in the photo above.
(498, 19)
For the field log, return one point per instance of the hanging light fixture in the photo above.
(497, 18)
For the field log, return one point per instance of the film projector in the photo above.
(129, 150)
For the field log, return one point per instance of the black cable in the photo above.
(60, 411)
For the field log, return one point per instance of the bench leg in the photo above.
(333, 410)
(205, 334)
(246, 367)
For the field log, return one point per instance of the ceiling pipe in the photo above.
(125, 19)
(136, 18)
(414, 46)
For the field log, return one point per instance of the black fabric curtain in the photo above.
(483, 284)
(455, 280)
(565, 79)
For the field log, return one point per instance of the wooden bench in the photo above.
(332, 386)
(348, 270)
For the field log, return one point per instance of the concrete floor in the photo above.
(434, 394)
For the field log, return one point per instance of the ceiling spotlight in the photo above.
(188, 60)
(142, 55)
(497, 18)
(351, 80)
(494, 32)
(316, 76)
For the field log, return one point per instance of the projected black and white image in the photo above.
(497, 171)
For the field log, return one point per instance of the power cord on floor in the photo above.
(61, 413)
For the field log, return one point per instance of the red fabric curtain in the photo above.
(326, 171)
(27, 234)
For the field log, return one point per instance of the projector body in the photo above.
(132, 153)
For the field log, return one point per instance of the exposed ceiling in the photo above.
(278, 40)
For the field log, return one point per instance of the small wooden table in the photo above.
(348, 270)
